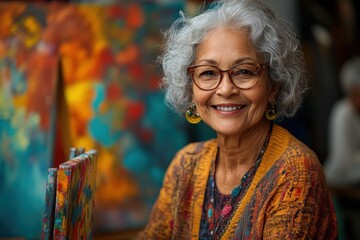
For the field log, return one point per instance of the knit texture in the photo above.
(287, 199)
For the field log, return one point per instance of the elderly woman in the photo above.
(237, 67)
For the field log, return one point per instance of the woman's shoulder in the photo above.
(298, 154)
(198, 148)
(297, 165)
(194, 153)
(299, 159)
(298, 149)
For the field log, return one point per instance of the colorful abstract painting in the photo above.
(28, 80)
(115, 104)
(75, 197)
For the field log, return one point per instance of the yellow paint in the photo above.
(60, 200)
(63, 180)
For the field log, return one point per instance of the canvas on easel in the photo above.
(75, 197)
(50, 197)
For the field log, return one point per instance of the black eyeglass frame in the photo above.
(259, 66)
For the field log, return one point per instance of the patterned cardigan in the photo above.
(287, 199)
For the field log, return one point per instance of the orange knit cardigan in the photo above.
(287, 199)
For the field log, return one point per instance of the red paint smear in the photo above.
(102, 60)
(56, 233)
(146, 135)
(129, 55)
(135, 16)
(42, 70)
(113, 92)
(59, 187)
(154, 83)
(115, 12)
(137, 72)
(134, 111)
(105, 56)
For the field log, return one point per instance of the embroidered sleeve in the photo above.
(301, 207)
(161, 222)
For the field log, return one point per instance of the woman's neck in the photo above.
(237, 154)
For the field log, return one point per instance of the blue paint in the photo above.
(136, 159)
(25, 156)
(88, 192)
(157, 174)
(99, 98)
(100, 129)
(18, 80)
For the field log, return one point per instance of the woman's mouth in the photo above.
(228, 108)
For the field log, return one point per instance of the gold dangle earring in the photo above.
(271, 112)
(192, 116)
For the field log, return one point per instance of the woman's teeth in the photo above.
(228, 109)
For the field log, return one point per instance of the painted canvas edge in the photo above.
(62, 201)
(50, 194)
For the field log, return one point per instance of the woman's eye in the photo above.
(208, 73)
(243, 72)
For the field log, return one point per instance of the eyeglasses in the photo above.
(243, 76)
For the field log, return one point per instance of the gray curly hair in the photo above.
(273, 38)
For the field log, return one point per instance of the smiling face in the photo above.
(227, 109)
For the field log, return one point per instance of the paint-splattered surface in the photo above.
(75, 197)
(50, 195)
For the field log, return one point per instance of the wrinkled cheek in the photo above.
(257, 112)
(205, 116)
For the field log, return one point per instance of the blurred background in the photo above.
(85, 74)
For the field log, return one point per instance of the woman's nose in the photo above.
(226, 86)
